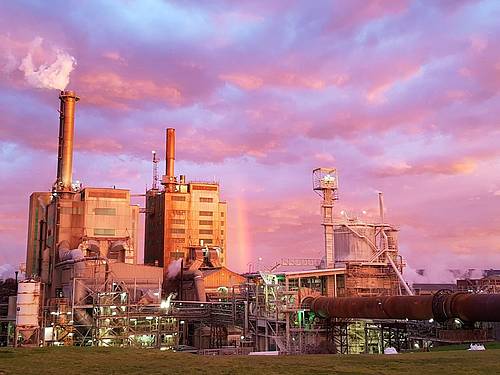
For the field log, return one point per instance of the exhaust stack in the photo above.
(169, 179)
(381, 206)
(66, 135)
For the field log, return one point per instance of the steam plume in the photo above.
(174, 268)
(6, 271)
(51, 76)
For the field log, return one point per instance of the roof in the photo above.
(316, 272)
(303, 273)
(222, 276)
(432, 286)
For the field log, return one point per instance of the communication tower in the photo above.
(325, 184)
(155, 171)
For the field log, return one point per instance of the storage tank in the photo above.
(28, 304)
(352, 242)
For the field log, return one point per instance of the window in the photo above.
(178, 240)
(108, 193)
(178, 198)
(105, 211)
(178, 221)
(104, 232)
(179, 212)
(205, 241)
(221, 223)
(206, 200)
(222, 214)
(206, 231)
(206, 213)
(222, 231)
(206, 222)
(204, 187)
(177, 230)
(77, 210)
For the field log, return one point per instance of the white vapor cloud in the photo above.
(6, 271)
(50, 76)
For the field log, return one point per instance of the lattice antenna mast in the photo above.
(325, 184)
(156, 177)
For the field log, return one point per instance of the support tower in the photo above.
(325, 183)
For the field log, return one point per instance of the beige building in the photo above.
(98, 221)
(184, 219)
(191, 216)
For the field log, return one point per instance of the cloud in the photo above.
(112, 90)
(53, 75)
(397, 95)
(446, 167)
(244, 81)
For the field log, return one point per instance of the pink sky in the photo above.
(400, 96)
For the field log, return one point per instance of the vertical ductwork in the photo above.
(66, 135)
(199, 284)
(169, 179)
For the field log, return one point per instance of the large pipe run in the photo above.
(440, 307)
(66, 135)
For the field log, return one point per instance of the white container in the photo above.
(28, 304)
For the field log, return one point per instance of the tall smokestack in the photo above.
(169, 178)
(170, 152)
(66, 134)
(381, 206)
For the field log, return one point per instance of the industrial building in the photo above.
(84, 284)
(184, 219)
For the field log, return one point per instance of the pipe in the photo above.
(440, 307)
(398, 273)
(199, 284)
(66, 135)
(474, 307)
(381, 206)
(65, 253)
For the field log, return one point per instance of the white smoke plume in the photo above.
(50, 76)
(174, 268)
(6, 271)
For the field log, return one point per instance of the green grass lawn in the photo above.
(72, 360)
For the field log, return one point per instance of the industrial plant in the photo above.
(84, 285)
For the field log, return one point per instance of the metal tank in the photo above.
(354, 242)
(28, 307)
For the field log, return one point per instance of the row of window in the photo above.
(105, 211)
(201, 231)
(104, 232)
(77, 210)
(201, 213)
(182, 198)
(205, 240)
(201, 222)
